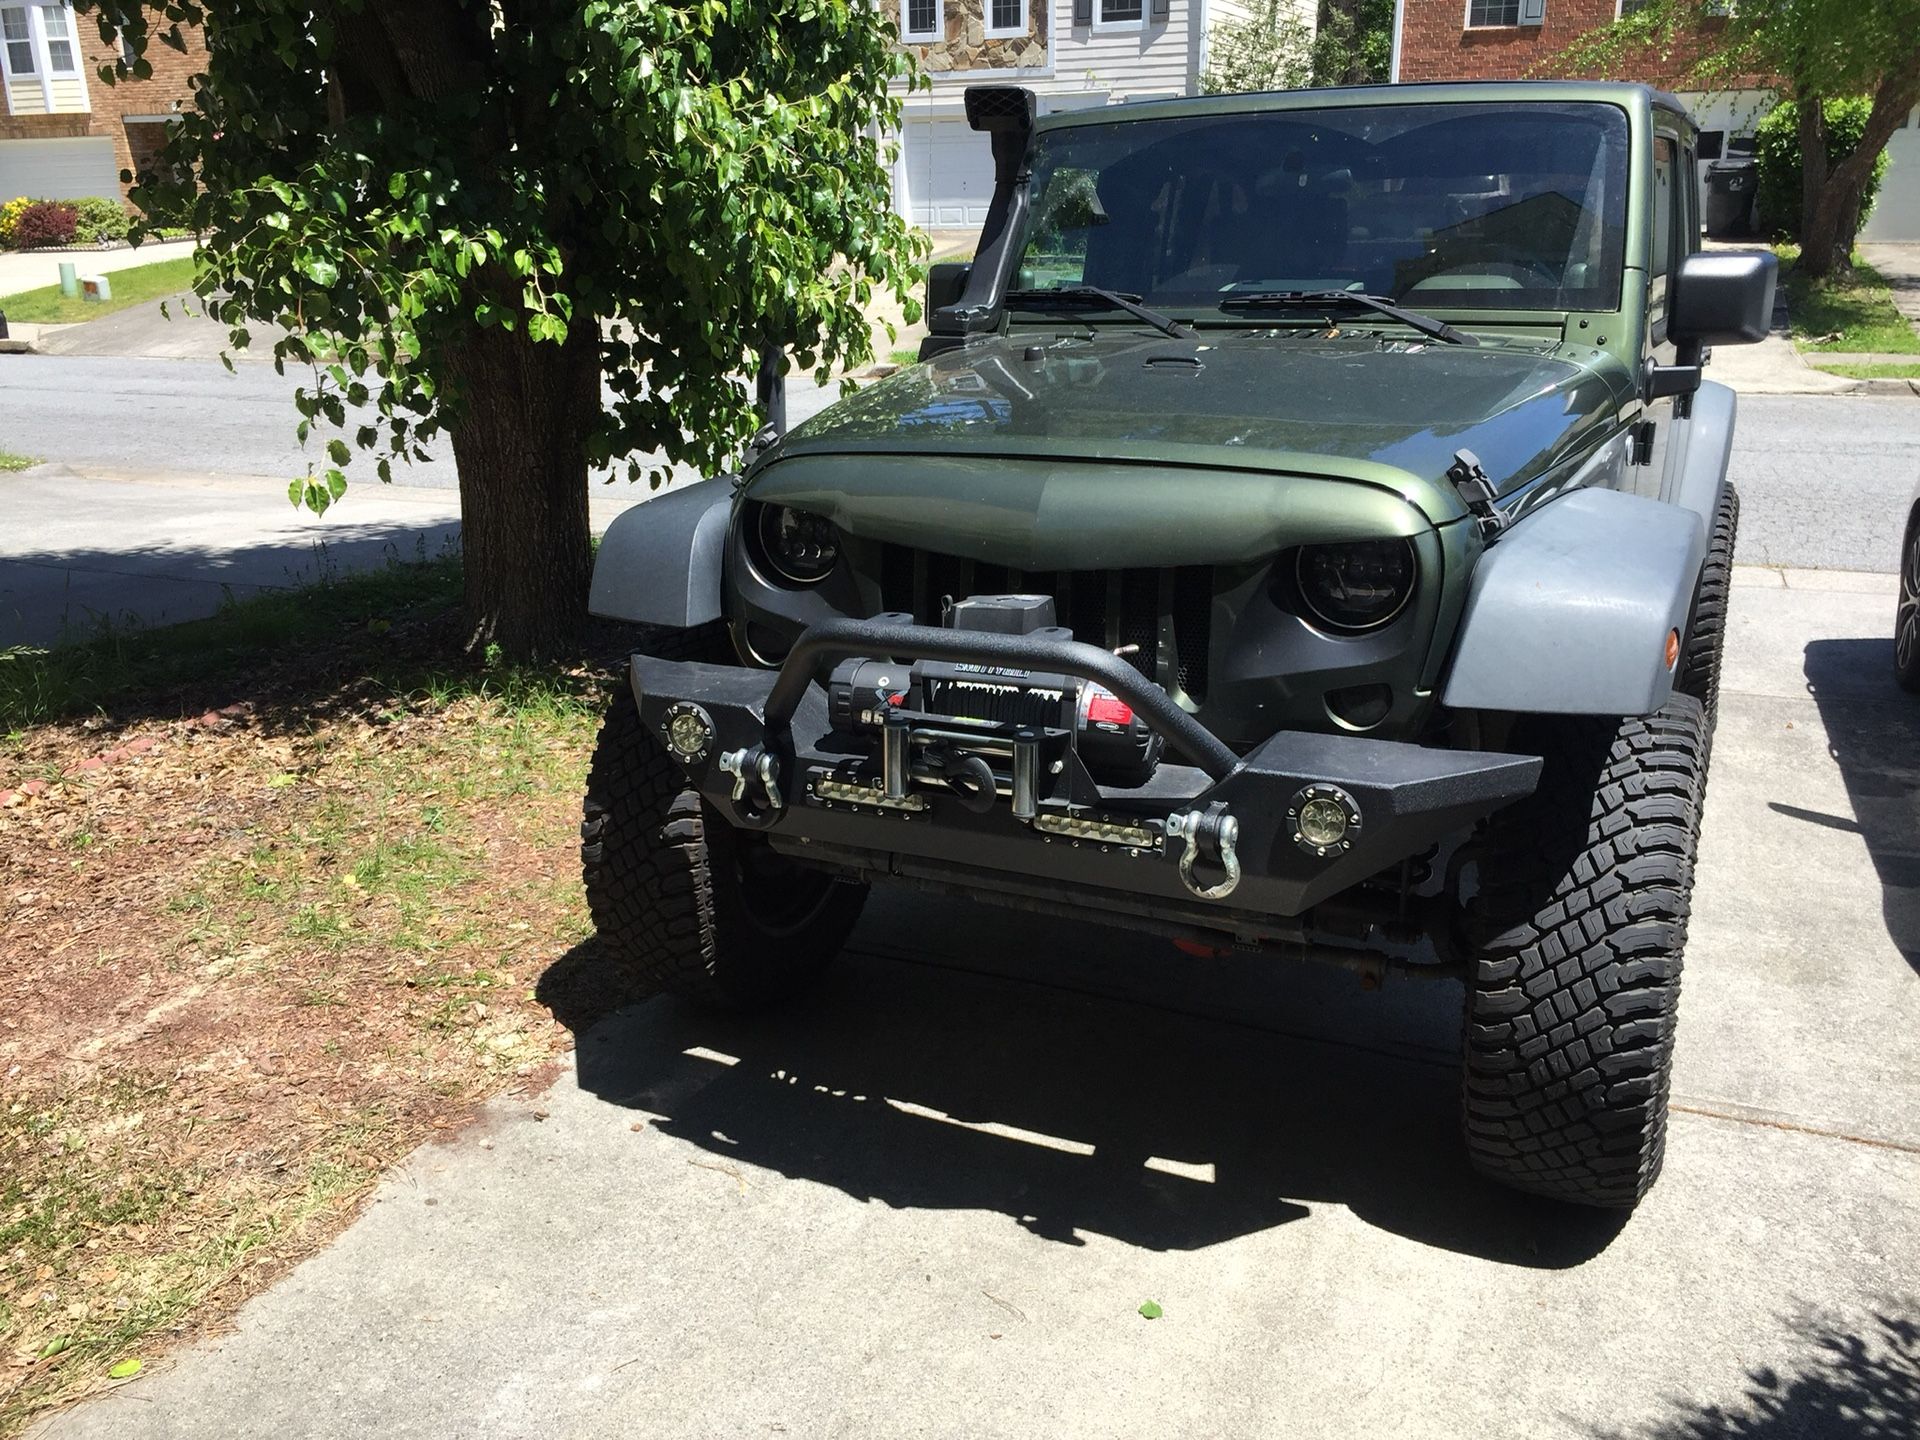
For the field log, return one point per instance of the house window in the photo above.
(58, 25)
(1629, 7)
(1119, 12)
(19, 40)
(1492, 12)
(1006, 19)
(920, 19)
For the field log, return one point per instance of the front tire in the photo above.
(1699, 670)
(699, 909)
(1578, 931)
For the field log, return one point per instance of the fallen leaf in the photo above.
(1152, 1310)
(125, 1370)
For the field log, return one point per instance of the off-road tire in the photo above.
(1698, 674)
(667, 878)
(1906, 619)
(1577, 934)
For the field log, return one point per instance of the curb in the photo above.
(1886, 385)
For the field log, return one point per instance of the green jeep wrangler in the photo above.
(1306, 533)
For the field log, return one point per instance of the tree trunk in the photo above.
(520, 442)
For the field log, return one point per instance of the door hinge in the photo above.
(1640, 443)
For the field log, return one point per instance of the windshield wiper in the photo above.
(1089, 297)
(1346, 299)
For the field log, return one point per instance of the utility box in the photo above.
(96, 288)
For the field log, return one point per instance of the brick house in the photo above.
(65, 134)
(1514, 39)
(1071, 53)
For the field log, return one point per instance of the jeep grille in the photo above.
(1168, 614)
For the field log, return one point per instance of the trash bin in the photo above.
(1733, 191)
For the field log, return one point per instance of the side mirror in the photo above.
(1722, 297)
(945, 284)
(1710, 145)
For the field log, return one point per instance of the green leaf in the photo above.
(125, 1370)
(295, 488)
(336, 484)
(1151, 1309)
(320, 272)
(338, 452)
(55, 1346)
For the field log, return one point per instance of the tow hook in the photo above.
(754, 767)
(1216, 833)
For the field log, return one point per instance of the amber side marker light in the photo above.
(1673, 648)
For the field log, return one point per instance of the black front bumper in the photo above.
(1211, 840)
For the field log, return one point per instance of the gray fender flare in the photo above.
(1702, 477)
(659, 563)
(1570, 609)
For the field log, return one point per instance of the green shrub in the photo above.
(10, 214)
(1782, 169)
(99, 221)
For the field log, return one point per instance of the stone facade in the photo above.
(966, 45)
(135, 142)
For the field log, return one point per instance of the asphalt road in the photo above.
(142, 415)
(930, 1201)
(1822, 476)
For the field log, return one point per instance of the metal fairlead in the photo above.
(1220, 832)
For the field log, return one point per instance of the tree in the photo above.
(557, 230)
(1819, 50)
(1270, 47)
(1273, 47)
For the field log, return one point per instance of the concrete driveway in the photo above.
(931, 1200)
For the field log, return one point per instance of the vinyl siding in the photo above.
(24, 97)
(69, 96)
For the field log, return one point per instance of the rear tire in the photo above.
(1578, 932)
(696, 907)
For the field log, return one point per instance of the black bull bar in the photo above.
(1212, 838)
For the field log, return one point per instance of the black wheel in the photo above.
(1698, 673)
(1906, 621)
(1577, 934)
(699, 908)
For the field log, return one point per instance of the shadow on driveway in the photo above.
(1873, 733)
(917, 1086)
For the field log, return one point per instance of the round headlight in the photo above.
(1358, 586)
(799, 548)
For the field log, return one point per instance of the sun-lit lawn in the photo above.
(136, 286)
(11, 461)
(1853, 316)
(285, 892)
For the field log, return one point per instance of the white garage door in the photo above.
(1896, 213)
(58, 169)
(949, 174)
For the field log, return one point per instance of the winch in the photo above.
(1115, 745)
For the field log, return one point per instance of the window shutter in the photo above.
(1083, 12)
(1533, 12)
(1162, 9)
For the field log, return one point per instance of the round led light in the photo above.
(1324, 819)
(1358, 586)
(689, 731)
(799, 548)
(1322, 823)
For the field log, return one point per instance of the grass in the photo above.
(906, 356)
(10, 461)
(1855, 316)
(1878, 370)
(39, 685)
(135, 286)
(344, 900)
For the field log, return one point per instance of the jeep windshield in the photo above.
(1496, 206)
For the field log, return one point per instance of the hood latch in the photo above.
(1470, 479)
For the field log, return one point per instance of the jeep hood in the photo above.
(1384, 412)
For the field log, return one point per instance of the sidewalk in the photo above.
(1900, 264)
(37, 269)
(89, 547)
